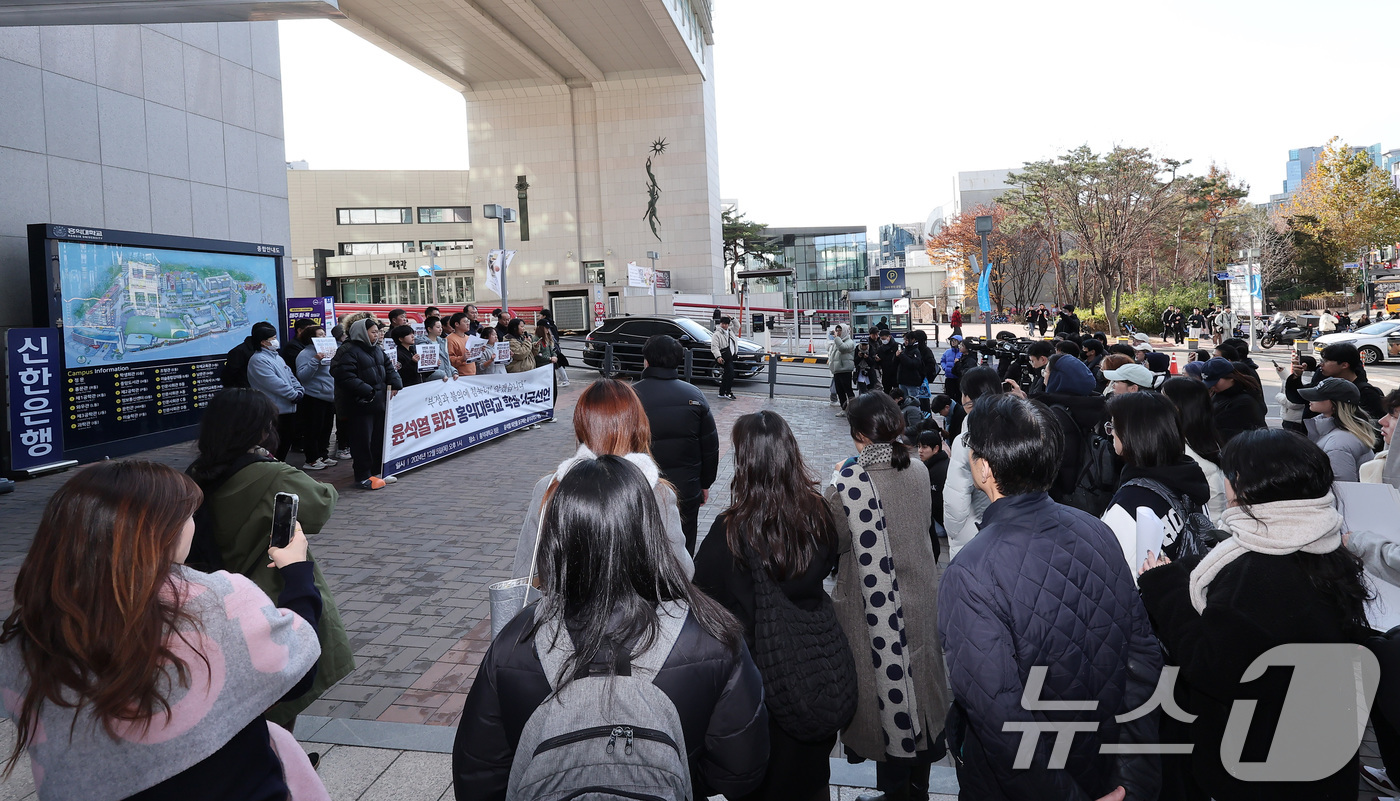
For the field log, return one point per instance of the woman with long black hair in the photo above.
(1235, 397)
(881, 503)
(1282, 577)
(1203, 439)
(777, 523)
(611, 591)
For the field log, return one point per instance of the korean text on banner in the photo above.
(641, 277)
(36, 408)
(325, 346)
(429, 421)
(427, 357)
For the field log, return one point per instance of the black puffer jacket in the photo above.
(362, 376)
(684, 442)
(912, 370)
(1085, 412)
(718, 694)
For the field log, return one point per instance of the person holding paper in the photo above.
(432, 329)
(522, 348)
(490, 363)
(458, 349)
(404, 342)
(1157, 475)
(1281, 577)
(317, 406)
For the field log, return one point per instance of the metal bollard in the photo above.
(772, 374)
(689, 366)
(607, 360)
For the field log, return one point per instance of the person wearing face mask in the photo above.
(269, 374)
(364, 382)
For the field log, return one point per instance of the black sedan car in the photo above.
(629, 334)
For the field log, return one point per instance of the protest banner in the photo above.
(476, 348)
(503, 353)
(427, 357)
(428, 421)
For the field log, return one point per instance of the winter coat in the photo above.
(718, 695)
(1343, 449)
(362, 376)
(684, 441)
(522, 355)
(963, 503)
(1068, 323)
(905, 498)
(1183, 478)
(1216, 479)
(937, 466)
(315, 375)
(724, 579)
(408, 367)
(956, 320)
(1241, 621)
(241, 513)
(268, 374)
(840, 356)
(1080, 614)
(887, 360)
(290, 352)
(1236, 411)
(910, 370)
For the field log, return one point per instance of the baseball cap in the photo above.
(1333, 389)
(1141, 337)
(1133, 374)
(1196, 369)
(1216, 369)
(1142, 346)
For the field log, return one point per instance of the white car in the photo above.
(1376, 342)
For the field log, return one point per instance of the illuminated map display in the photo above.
(127, 305)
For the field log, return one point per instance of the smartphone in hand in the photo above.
(284, 519)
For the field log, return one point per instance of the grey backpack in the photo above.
(604, 737)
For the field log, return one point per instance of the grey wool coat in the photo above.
(908, 509)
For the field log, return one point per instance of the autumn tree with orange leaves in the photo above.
(1019, 258)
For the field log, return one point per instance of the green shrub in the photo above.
(1144, 309)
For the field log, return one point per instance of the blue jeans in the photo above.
(911, 392)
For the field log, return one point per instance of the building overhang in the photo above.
(148, 12)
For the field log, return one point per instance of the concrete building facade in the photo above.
(167, 129)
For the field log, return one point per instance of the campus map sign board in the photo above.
(439, 418)
(143, 323)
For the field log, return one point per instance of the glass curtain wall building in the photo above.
(825, 261)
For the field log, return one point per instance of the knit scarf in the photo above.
(884, 613)
(1312, 525)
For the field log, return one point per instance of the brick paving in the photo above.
(409, 564)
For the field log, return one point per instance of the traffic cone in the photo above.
(1175, 371)
(809, 348)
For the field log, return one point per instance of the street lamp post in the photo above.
(984, 228)
(655, 304)
(502, 215)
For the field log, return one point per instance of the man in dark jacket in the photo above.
(1343, 360)
(684, 441)
(1068, 322)
(1080, 616)
(364, 382)
(887, 359)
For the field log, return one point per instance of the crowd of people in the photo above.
(1046, 658)
(341, 384)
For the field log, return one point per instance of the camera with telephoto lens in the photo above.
(1013, 360)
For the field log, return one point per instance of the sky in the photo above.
(840, 113)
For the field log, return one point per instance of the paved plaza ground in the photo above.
(409, 566)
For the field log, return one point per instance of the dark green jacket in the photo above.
(241, 511)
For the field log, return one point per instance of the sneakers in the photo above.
(533, 426)
(563, 381)
(389, 479)
(730, 396)
(372, 483)
(342, 454)
(319, 464)
(1379, 779)
(328, 462)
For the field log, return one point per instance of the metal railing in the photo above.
(622, 359)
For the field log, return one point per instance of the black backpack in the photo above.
(235, 370)
(1096, 477)
(1191, 532)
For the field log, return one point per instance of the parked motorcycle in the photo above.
(1286, 331)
